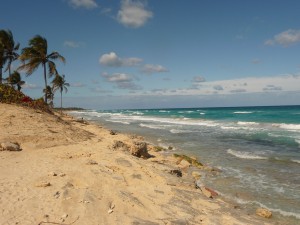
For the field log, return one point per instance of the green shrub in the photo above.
(11, 96)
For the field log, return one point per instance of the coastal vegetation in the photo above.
(34, 56)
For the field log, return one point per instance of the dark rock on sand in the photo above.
(178, 173)
(10, 146)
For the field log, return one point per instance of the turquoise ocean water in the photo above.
(257, 149)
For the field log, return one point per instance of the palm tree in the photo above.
(60, 83)
(15, 79)
(9, 48)
(50, 94)
(37, 54)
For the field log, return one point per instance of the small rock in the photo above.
(110, 211)
(263, 212)
(178, 173)
(64, 216)
(43, 184)
(62, 174)
(112, 206)
(53, 174)
(184, 164)
(10, 146)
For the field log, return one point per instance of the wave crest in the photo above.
(244, 155)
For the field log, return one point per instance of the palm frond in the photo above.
(56, 55)
(52, 69)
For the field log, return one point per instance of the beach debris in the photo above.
(57, 194)
(43, 184)
(178, 173)
(263, 212)
(91, 162)
(81, 121)
(192, 161)
(10, 146)
(139, 149)
(213, 193)
(205, 192)
(112, 132)
(119, 145)
(208, 192)
(62, 174)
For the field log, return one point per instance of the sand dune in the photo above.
(68, 173)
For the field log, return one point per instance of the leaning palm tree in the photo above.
(37, 54)
(59, 83)
(9, 48)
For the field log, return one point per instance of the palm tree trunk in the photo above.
(60, 102)
(1, 75)
(45, 78)
(9, 75)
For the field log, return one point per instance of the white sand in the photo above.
(90, 183)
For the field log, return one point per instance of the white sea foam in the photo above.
(229, 128)
(282, 212)
(244, 155)
(176, 131)
(137, 113)
(163, 111)
(295, 160)
(118, 121)
(152, 126)
(202, 113)
(242, 112)
(247, 123)
(292, 127)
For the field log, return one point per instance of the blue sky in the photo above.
(158, 54)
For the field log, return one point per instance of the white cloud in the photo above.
(249, 85)
(121, 80)
(198, 79)
(73, 44)
(30, 86)
(113, 60)
(285, 38)
(133, 13)
(149, 69)
(88, 4)
(271, 87)
(77, 84)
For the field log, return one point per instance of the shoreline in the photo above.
(91, 180)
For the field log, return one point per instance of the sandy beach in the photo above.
(71, 172)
